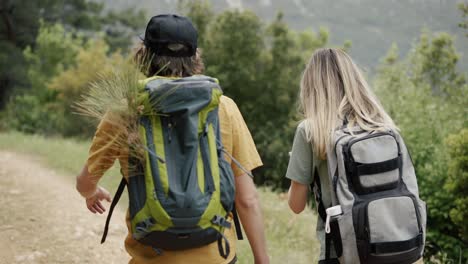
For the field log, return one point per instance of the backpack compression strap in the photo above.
(334, 234)
(116, 199)
(237, 223)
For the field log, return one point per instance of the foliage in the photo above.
(457, 182)
(201, 13)
(463, 7)
(427, 110)
(20, 25)
(12, 71)
(36, 110)
(54, 51)
(435, 61)
(259, 64)
(235, 35)
(61, 68)
(371, 25)
(121, 27)
(92, 62)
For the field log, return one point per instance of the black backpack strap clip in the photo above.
(115, 200)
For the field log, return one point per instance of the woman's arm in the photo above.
(297, 196)
(250, 213)
(301, 163)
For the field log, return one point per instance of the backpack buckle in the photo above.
(220, 221)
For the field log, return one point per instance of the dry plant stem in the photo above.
(116, 100)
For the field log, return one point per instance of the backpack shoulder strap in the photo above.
(115, 200)
(237, 223)
(334, 235)
(238, 164)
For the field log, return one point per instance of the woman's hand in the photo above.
(94, 202)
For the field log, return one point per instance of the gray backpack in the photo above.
(376, 215)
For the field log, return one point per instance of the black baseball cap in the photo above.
(171, 35)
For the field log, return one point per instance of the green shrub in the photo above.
(424, 93)
(457, 181)
(30, 114)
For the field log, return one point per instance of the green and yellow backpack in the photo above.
(182, 194)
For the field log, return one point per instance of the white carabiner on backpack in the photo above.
(332, 212)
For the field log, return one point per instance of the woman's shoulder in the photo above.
(302, 125)
(301, 128)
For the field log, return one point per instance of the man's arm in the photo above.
(91, 192)
(104, 150)
(250, 213)
(84, 185)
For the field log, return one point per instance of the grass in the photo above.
(67, 156)
(290, 237)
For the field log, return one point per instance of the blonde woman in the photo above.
(333, 92)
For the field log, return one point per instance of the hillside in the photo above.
(371, 25)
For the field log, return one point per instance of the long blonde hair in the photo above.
(333, 90)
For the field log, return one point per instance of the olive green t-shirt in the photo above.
(303, 163)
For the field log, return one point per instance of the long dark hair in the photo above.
(152, 64)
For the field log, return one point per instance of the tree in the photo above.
(435, 61)
(14, 36)
(92, 63)
(423, 92)
(35, 110)
(274, 115)
(463, 7)
(259, 67)
(201, 14)
(457, 182)
(19, 27)
(235, 44)
(121, 28)
(55, 50)
(61, 68)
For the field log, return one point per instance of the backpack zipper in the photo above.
(335, 174)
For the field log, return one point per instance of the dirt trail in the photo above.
(44, 220)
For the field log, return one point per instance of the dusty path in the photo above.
(44, 220)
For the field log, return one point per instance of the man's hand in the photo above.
(94, 202)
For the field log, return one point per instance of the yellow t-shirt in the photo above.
(238, 142)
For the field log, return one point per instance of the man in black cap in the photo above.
(169, 49)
